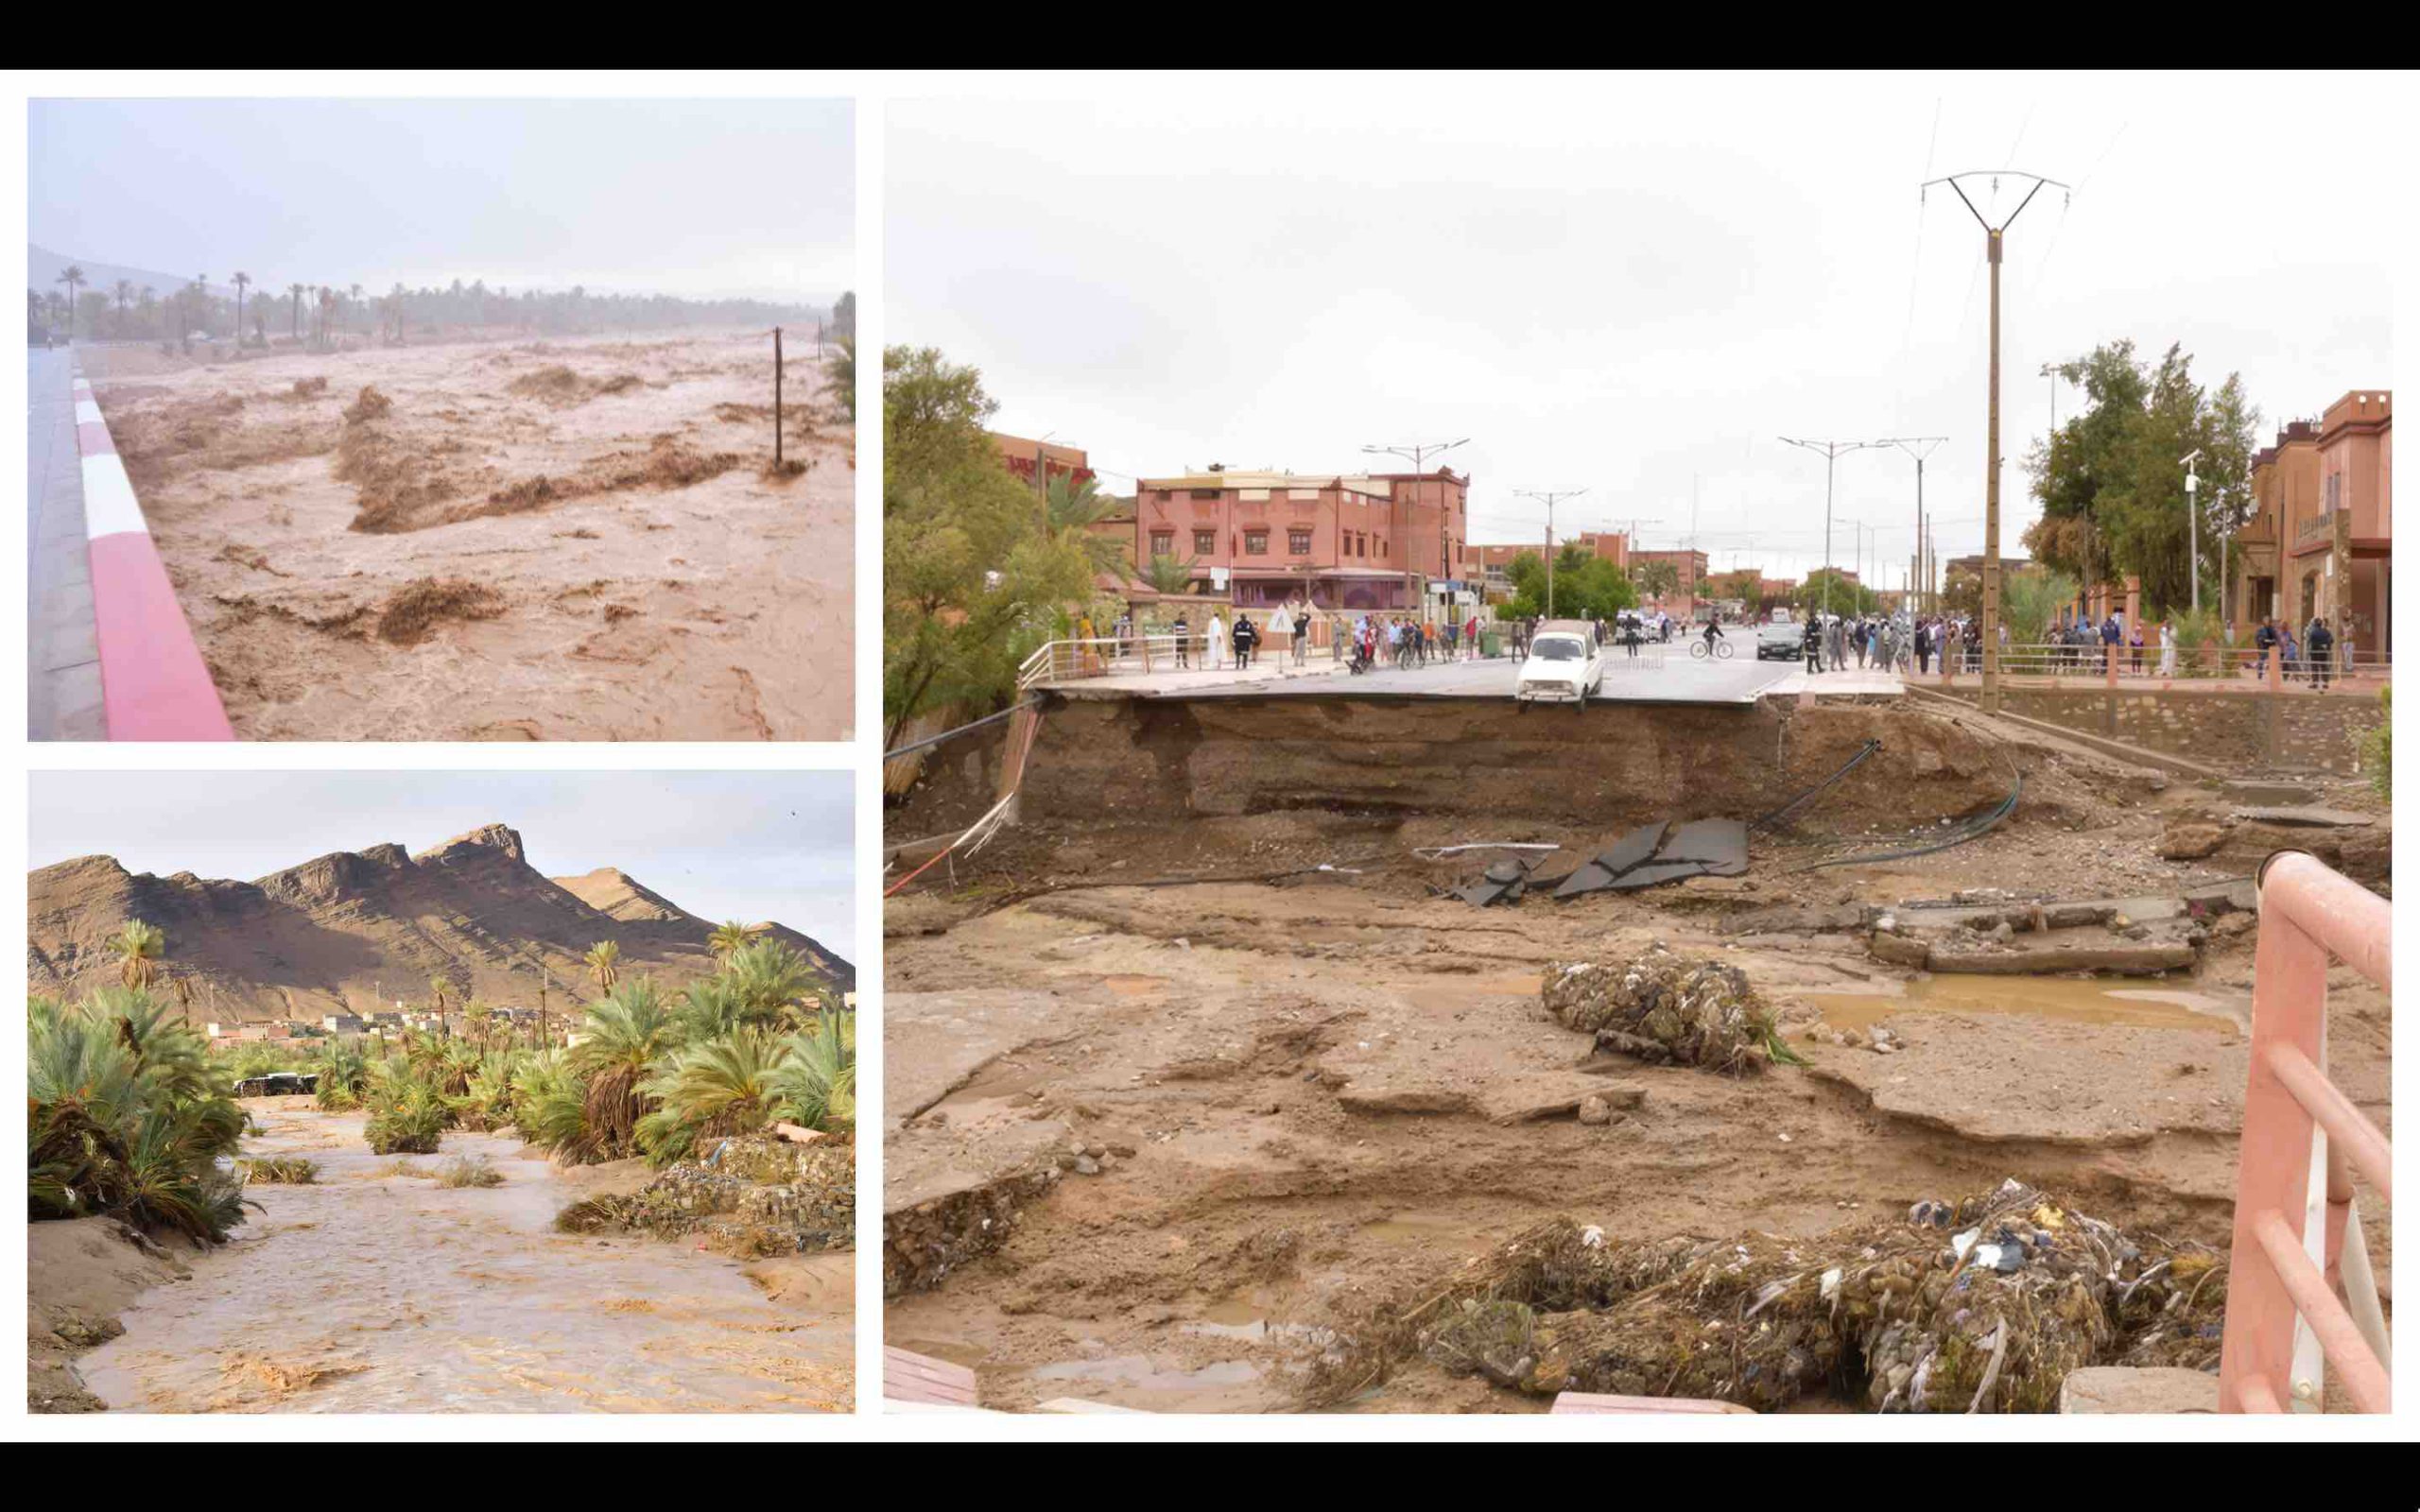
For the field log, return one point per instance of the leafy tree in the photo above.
(1585, 585)
(1828, 587)
(2112, 489)
(1657, 578)
(972, 572)
(1961, 594)
(1075, 505)
(2031, 599)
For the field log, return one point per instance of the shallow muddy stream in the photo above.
(371, 1290)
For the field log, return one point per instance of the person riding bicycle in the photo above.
(1713, 633)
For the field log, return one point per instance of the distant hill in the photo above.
(347, 930)
(43, 267)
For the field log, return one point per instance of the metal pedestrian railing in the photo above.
(2298, 1242)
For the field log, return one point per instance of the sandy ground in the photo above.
(561, 541)
(376, 1290)
(1304, 1096)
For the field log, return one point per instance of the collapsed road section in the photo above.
(1207, 1075)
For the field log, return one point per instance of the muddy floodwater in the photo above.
(376, 1290)
(2095, 1001)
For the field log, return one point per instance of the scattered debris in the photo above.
(1984, 1306)
(1666, 1007)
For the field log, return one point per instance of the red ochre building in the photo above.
(2320, 541)
(1376, 540)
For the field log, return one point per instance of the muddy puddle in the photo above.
(371, 1290)
(2068, 1000)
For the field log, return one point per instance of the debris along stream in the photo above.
(1181, 1147)
(373, 1288)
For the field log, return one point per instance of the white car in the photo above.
(1565, 665)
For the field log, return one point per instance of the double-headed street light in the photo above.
(1831, 451)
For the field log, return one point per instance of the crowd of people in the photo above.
(1921, 644)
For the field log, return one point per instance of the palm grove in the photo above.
(133, 1114)
(253, 313)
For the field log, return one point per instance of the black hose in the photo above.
(1970, 830)
(1800, 801)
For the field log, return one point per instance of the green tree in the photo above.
(138, 947)
(242, 281)
(1169, 574)
(730, 935)
(974, 576)
(604, 960)
(74, 279)
(1830, 588)
(1657, 578)
(2110, 483)
(2031, 599)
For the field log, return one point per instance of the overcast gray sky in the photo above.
(722, 845)
(1633, 284)
(696, 198)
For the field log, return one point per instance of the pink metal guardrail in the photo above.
(154, 683)
(2290, 1254)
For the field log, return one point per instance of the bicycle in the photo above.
(1720, 650)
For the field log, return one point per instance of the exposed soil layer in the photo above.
(1147, 1141)
(635, 574)
(374, 1289)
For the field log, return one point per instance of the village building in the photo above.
(1357, 542)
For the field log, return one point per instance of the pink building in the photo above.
(2340, 559)
(1343, 541)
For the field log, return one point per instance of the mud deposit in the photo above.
(565, 540)
(374, 1291)
(1147, 1144)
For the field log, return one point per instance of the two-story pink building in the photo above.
(2342, 559)
(1343, 541)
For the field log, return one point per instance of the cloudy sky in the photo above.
(722, 845)
(1633, 285)
(696, 198)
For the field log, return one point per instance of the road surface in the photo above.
(62, 660)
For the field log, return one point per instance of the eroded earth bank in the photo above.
(1177, 1143)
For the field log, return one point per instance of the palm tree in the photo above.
(604, 960)
(764, 979)
(294, 323)
(1166, 574)
(149, 306)
(817, 1082)
(1074, 508)
(124, 290)
(242, 281)
(73, 278)
(438, 987)
(730, 935)
(628, 1031)
(723, 1085)
(138, 946)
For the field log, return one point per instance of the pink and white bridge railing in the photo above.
(154, 683)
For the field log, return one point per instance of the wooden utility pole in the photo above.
(777, 398)
(1994, 239)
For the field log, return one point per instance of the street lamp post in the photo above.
(1550, 499)
(1831, 451)
(1994, 239)
(1919, 447)
(2193, 520)
(1418, 453)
